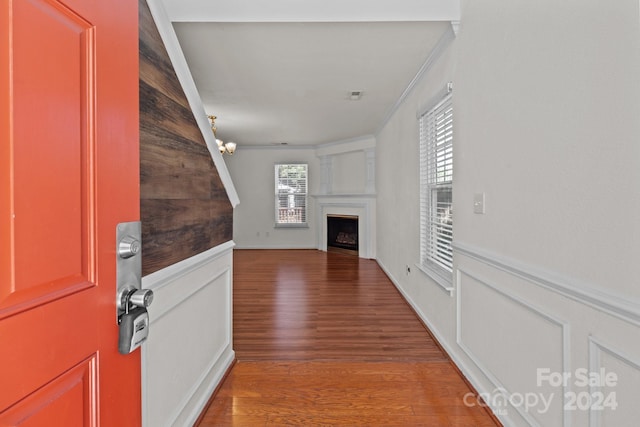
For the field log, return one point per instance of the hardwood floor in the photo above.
(326, 339)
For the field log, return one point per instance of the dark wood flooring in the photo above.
(325, 339)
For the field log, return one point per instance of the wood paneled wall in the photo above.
(184, 207)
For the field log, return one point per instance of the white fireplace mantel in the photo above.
(361, 205)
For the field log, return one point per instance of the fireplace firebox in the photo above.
(342, 233)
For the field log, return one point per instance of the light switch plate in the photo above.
(478, 203)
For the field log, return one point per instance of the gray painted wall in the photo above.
(547, 107)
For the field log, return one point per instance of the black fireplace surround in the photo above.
(342, 232)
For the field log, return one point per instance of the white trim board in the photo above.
(598, 298)
(172, 45)
(168, 275)
(362, 205)
(203, 389)
(464, 369)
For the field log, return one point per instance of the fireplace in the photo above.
(342, 233)
(360, 206)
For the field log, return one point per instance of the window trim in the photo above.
(435, 274)
(291, 225)
(443, 276)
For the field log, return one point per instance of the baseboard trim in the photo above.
(469, 379)
(210, 382)
(215, 392)
(274, 247)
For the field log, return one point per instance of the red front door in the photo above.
(68, 175)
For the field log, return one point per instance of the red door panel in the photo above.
(68, 176)
(52, 164)
(63, 402)
(51, 222)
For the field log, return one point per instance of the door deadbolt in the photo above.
(128, 247)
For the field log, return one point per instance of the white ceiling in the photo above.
(274, 78)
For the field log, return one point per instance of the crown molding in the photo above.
(360, 143)
(437, 50)
(277, 147)
(455, 26)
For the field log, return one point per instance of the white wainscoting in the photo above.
(189, 348)
(513, 319)
(490, 318)
(605, 359)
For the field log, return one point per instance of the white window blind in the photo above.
(291, 194)
(436, 183)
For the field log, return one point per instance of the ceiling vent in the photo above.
(355, 95)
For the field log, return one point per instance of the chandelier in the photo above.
(229, 147)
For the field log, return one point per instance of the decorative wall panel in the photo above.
(184, 207)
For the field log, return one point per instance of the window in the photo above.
(436, 182)
(291, 195)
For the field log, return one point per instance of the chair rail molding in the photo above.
(585, 293)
